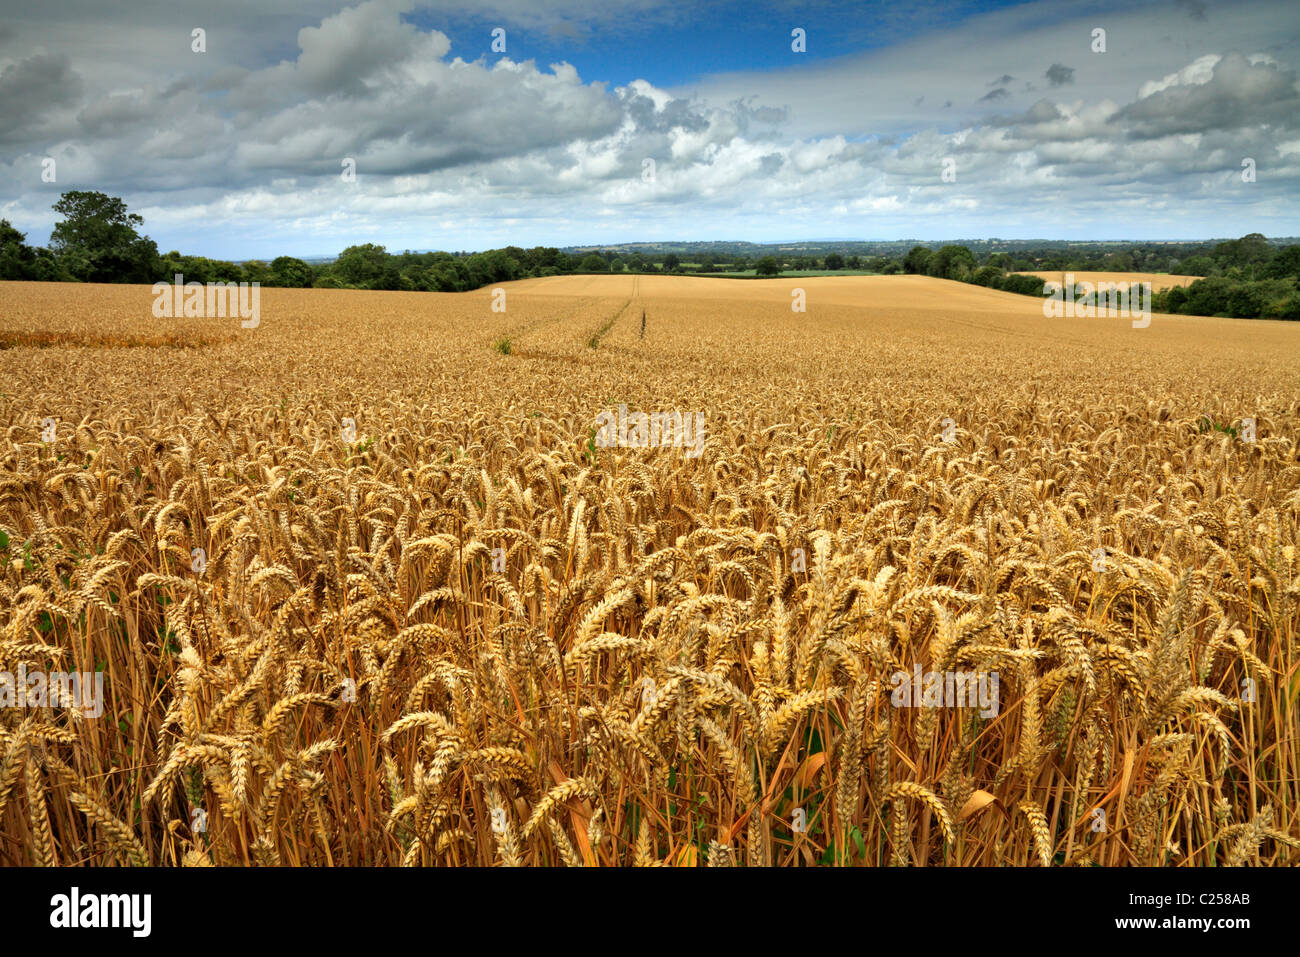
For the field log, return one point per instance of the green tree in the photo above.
(952, 262)
(917, 260)
(1246, 251)
(1208, 297)
(257, 271)
(98, 241)
(361, 267)
(768, 266)
(287, 271)
(1285, 263)
(1245, 302)
(593, 262)
(16, 257)
(1197, 266)
(834, 261)
(671, 262)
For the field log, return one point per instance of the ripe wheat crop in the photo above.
(1159, 281)
(458, 632)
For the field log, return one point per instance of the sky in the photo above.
(305, 126)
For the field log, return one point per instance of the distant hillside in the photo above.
(687, 250)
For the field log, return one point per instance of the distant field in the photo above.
(367, 585)
(789, 273)
(1158, 280)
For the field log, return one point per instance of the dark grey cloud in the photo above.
(749, 119)
(675, 114)
(998, 94)
(33, 89)
(1193, 8)
(1044, 111)
(124, 113)
(1059, 75)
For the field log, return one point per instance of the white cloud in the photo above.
(471, 154)
(1196, 73)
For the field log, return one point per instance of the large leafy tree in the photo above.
(916, 260)
(952, 262)
(16, 257)
(287, 271)
(1249, 249)
(97, 239)
(1286, 263)
(363, 266)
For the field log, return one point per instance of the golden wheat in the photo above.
(466, 633)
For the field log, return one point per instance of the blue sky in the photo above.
(674, 48)
(609, 121)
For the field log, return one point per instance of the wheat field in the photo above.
(434, 623)
(1159, 281)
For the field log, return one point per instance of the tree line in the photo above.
(1245, 278)
(98, 240)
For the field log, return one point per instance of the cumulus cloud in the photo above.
(243, 150)
(1199, 71)
(1231, 93)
